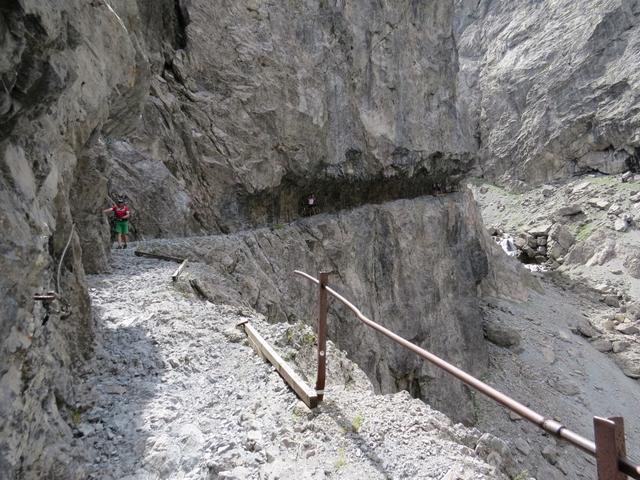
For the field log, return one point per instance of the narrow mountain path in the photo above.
(179, 394)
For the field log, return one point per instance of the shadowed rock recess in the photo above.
(219, 117)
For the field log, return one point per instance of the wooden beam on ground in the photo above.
(306, 393)
(177, 273)
(169, 258)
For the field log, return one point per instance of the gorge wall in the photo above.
(551, 87)
(71, 72)
(212, 119)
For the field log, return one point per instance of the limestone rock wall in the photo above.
(70, 72)
(217, 116)
(416, 266)
(552, 87)
(264, 103)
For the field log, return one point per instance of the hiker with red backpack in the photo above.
(122, 214)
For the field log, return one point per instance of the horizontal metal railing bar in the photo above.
(548, 424)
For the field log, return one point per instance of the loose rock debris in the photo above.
(176, 397)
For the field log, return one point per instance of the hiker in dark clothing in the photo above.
(312, 206)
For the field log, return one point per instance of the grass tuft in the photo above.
(342, 458)
(585, 231)
(356, 423)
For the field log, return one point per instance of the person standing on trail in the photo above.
(311, 205)
(121, 212)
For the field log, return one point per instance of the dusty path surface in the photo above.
(180, 394)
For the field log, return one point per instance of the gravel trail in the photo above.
(179, 394)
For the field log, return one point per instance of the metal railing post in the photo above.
(609, 435)
(322, 336)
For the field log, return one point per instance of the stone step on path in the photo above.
(179, 394)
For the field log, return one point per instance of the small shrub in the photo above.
(297, 413)
(342, 458)
(308, 339)
(356, 423)
(75, 416)
(585, 231)
(523, 475)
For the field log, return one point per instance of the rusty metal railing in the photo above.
(608, 448)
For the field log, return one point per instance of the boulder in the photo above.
(520, 242)
(620, 346)
(599, 203)
(579, 254)
(615, 209)
(559, 241)
(500, 334)
(584, 328)
(540, 229)
(626, 177)
(602, 345)
(611, 300)
(629, 362)
(621, 225)
(628, 329)
(633, 310)
(569, 210)
(605, 253)
(632, 264)
(580, 187)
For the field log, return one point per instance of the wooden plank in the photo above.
(169, 258)
(306, 393)
(177, 273)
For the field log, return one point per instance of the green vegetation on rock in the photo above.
(612, 180)
(356, 423)
(585, 231)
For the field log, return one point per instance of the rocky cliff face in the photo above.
(70, 73)
(216, 119)
(552, 87)
(265, 103)
(416, 266)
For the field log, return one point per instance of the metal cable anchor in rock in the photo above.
(47, 298)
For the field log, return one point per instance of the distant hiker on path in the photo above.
(122, 222)
(312, 208)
